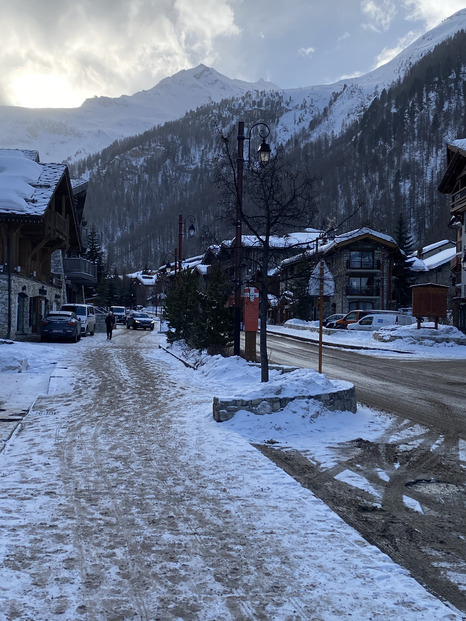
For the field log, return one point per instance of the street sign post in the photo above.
(251, 322)
(321, 283)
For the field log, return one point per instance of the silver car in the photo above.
(86, 313)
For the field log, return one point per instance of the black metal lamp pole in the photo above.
(238, 238)
(264, 155)
(191, 231)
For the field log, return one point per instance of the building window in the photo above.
(362, 285)
(355, 305)
(361, 259)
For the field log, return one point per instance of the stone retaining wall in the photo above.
(422, 339)
(339, 400)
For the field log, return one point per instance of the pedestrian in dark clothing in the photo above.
(110, 324)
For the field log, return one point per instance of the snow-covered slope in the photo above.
(351, 97)
(70, 134)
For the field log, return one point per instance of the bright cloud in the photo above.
(390, 52)
(306, 51)
(105, 46)
(380, 14)
(432, 12)
(60, 52)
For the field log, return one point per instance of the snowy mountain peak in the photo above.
(72, 134)
(207, 76)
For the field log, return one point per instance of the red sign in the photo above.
(251, 309)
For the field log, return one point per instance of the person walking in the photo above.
(110, 324)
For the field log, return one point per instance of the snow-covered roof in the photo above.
(436, 259)
(440, 258)
(417, 265)
(430, 263)
(145, 278)
(26, 185)
(149, 277)
(434, 246)
(459, 144)
(326, 244)
(365, 230)
(292, 240)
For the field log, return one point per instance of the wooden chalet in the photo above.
(454, 184)
(38, 226)
(361, 263)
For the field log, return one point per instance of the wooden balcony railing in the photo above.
(368, 291)
(458, 201)
(80, 270)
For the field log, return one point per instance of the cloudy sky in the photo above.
(56, 53)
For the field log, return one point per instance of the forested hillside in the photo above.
(388, 160)
(392, 160)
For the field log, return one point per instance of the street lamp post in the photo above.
(191, 231)
(167, 264)
(264, 156)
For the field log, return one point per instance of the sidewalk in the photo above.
(21, 382)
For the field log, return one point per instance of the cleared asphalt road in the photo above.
(432, 392)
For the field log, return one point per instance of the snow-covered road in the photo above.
(121, 498)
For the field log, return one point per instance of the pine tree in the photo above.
(403, 237)
(95, 254)
(302, 301)
(108, 290)
(201, 319)
(214, 325)
(404, 278)
(182, 307)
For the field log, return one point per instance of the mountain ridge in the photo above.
(377, 164)
(70, 134)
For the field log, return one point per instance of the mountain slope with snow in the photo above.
(345, 101)
(72, 134)
(61, 134)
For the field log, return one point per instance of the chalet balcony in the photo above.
(80, 271)
(356, 267)
(57, 227)
(458, 202)
(368, 291)
(455, 264)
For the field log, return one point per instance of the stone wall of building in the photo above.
(35, 298)
(3, 305)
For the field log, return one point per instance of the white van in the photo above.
(84, 312)
(381, 320)
(120, 314)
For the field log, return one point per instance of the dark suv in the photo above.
(136, 320)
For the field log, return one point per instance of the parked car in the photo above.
(137, 320)
(119, 313)
(330, 321)
(60, 325)
(382, 320)
(355, 315)
(86, 313)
